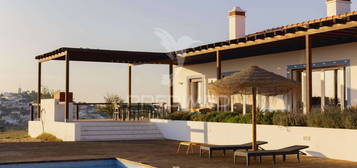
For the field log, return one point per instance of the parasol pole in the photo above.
(254, 119)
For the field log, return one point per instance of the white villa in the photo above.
(321, 55)
(328, 45)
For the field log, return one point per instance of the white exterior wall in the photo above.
(276, 63)
(62, 130)
(52, 121)
(322, 142)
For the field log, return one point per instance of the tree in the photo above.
(109, 109)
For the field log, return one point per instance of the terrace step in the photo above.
(105, 131)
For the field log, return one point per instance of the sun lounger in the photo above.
(224, 148)
(292, 150)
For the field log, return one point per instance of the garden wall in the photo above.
(323, 142)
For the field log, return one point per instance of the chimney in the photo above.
(337, 7)
(236, 23)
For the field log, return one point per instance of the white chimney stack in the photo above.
(337, 7)
(236, 23)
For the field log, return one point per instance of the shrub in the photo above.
(349, 120)
(281, 118)
(223, 116)
(297, 119)
(265, 118)
(246, 119)
(180, 116)
(197, 117)
(325, 120)
(209, 116)
(46, 137)
(330, 118)
(234, 119)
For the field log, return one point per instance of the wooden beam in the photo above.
(39, 90)
(308, 54)
(276, 38)
(67, 90)
(219, 72)
(55, 56)
(129, 90)
(171, 102)
(219, 65)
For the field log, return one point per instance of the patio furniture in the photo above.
(291, 150)
(224, 148)
(189, 146)
(253, 81)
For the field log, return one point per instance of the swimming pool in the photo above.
(105, 163)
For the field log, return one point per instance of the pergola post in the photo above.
(171, 101)
(219, 72)
(67, 90)
(129, 90)
(308, 54)
(39, 90)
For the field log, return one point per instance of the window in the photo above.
(328, 87)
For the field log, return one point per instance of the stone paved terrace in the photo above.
(159, 153)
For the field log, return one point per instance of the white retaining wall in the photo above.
(326, 143)
(62, 130)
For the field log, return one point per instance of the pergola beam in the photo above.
(53, 57)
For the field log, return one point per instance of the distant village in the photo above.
(15, 109)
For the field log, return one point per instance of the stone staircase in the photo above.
(109, 131)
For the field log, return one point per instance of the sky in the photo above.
(32, 27)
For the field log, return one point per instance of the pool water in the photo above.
(107, 163)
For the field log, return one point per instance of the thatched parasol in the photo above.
(250, 81)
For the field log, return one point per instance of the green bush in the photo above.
(197, 117)
(265, 118)
(325, 120)
(234, 119)
(180, 116)
(349, 120)
(223, 116)
(330, 118)
(209, 116)
(281, 118)
(46, 137)
(246, 119)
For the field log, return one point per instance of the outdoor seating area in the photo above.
(157, 153)
(244, 150)
(224, 148)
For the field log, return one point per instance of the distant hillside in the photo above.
(14, 109)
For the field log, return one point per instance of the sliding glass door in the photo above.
(328, 88)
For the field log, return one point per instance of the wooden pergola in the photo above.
(104, 56)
